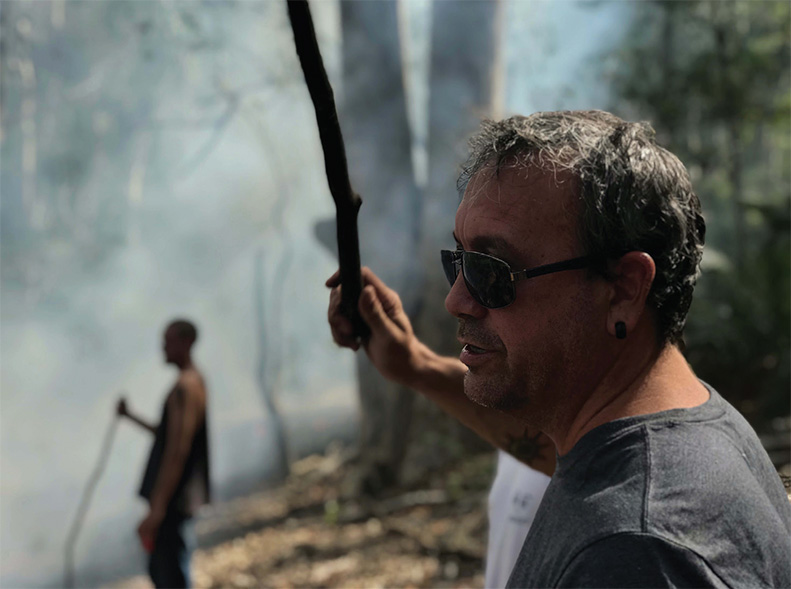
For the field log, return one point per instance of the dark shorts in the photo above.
(169, 564)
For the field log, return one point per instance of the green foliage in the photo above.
(713, 79)
(332, 510)
(738, 330)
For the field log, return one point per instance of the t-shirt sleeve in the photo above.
(637, 560)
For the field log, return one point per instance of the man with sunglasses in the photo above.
(578, 246)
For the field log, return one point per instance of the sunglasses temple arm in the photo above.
(574, 264)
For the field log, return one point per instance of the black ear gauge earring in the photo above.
(620, 330)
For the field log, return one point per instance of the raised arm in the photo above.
(401, 357)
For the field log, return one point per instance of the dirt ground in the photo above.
(312, 532)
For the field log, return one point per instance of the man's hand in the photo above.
(148, 529)
(398, 355)
(392, 345)
(122, 410)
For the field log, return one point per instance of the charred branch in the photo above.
(347, 203)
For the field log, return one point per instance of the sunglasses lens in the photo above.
(450, 266)
(488, 279)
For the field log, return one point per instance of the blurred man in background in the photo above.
(176, 479)
(578, 246)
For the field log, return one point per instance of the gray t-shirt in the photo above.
(681, 498)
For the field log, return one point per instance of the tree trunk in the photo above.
(729, 113)
(463, 49)
(374, 121)
(462, 91)
(270, 360)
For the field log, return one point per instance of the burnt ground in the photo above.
(311, 531)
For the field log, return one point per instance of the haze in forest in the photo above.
(161, 159)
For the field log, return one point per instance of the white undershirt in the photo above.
(513, 500)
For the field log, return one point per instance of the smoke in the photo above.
(554, 54)
(198, 198)
(167, 166)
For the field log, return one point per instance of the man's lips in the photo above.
(479, 345)
(472, 348)
(474, 356)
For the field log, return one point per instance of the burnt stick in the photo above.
(347, 202)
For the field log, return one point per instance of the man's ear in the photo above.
(632, 276)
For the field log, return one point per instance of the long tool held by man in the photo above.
(85, 501)
(347, 203)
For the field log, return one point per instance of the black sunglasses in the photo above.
(490, 280)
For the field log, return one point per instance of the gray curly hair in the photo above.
(636, 195)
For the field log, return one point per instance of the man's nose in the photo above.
(460, 302)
